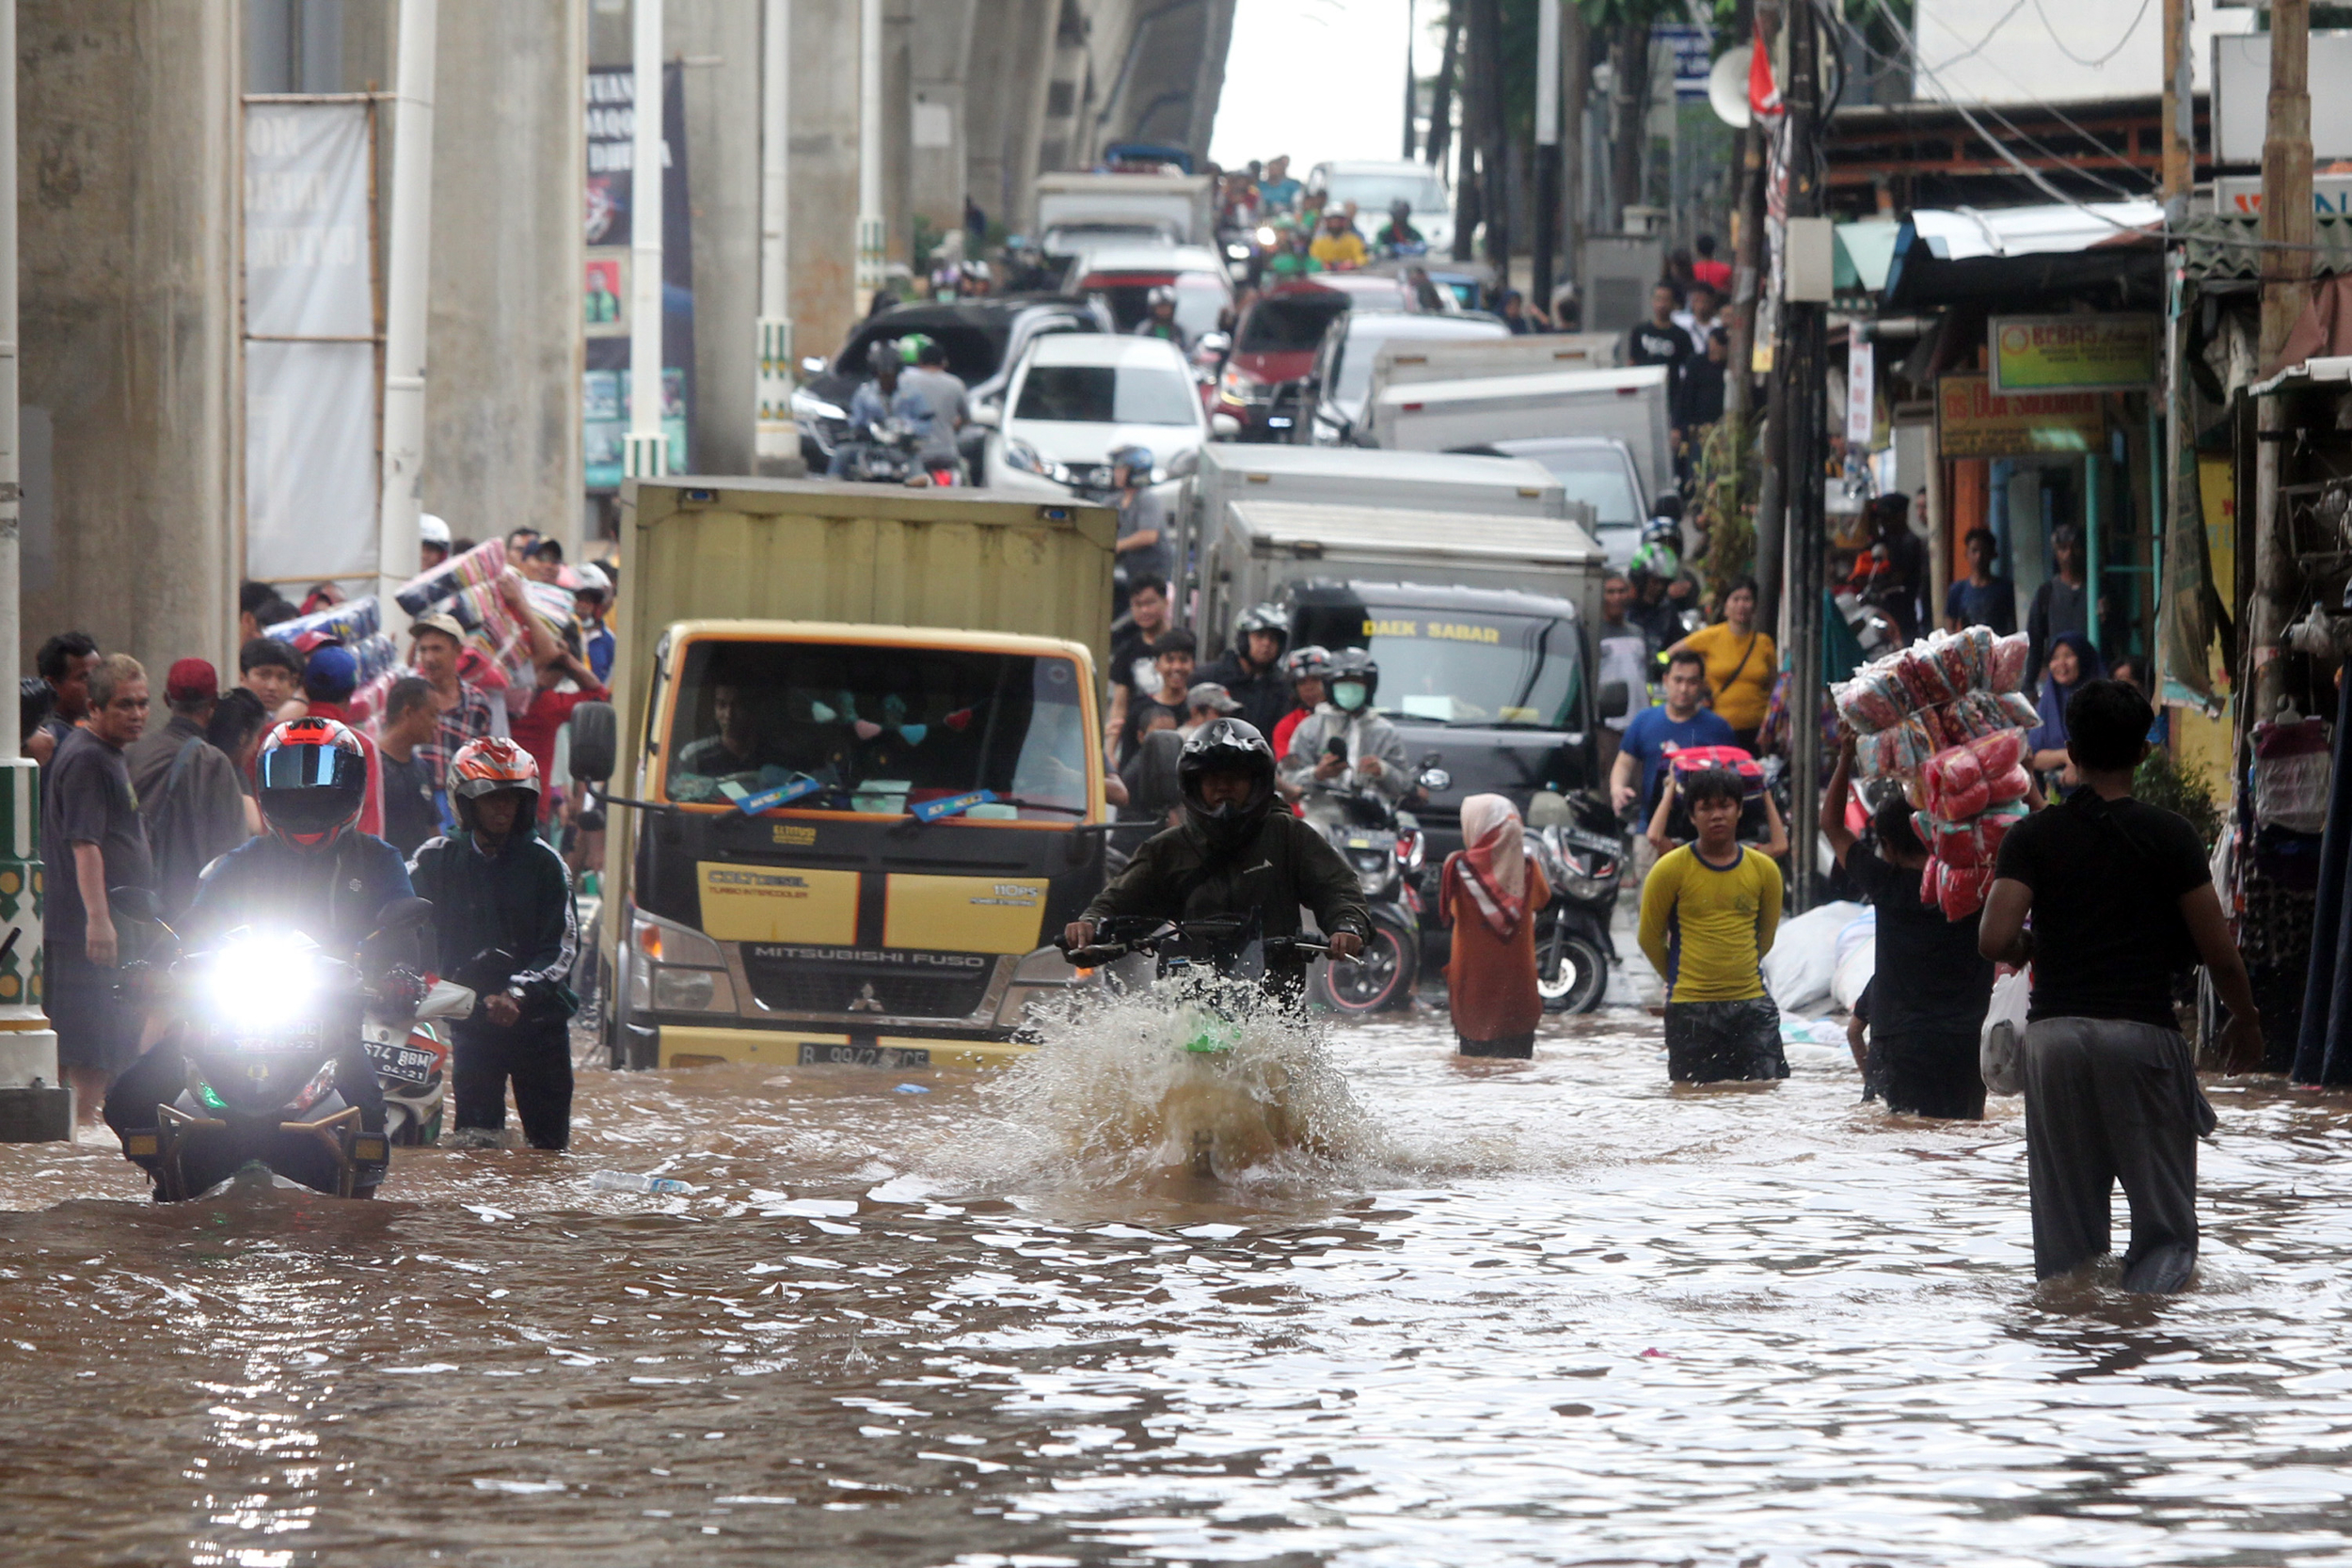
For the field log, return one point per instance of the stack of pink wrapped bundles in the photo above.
(1948, 717)
(472, 589)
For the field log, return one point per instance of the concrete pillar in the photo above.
(824, 172)
(721, 41)
(130, 206)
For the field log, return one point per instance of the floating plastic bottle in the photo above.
(629, 1182)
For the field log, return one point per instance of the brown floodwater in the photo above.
(1440, 1313)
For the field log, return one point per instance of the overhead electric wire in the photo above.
(2120, 193)
(2137, 17)
(2163, 229)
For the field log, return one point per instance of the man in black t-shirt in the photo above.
(1135, 646)
(1661, 341)
(2120, 898)
(95, 841)
(1931, 987)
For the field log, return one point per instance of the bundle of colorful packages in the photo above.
(356, 623)
(1948, 717)
(470, 590)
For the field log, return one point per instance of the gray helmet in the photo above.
(1221, 746)
(1267, 618)
(1309, 663)
(1354, 664)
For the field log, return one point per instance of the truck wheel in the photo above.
(1383, 978)
(1572, 976)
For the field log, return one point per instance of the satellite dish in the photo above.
(1728, 88)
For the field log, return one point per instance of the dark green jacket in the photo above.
(1174, 877)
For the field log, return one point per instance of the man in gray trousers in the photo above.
(2120, 898)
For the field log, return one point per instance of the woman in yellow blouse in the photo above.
(1741, 662)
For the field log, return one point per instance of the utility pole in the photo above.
(869, 154)
(1749, 279)
(1807, 386)
(2286, 263)
(776, 441)
(648, 448)
(1411, 96)
(2180, 111)
(1576, 96)
(408, 279)
(1546, 151)
(30, 1086)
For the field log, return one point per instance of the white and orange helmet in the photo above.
(486, 765)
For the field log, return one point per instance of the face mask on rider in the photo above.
(1347, 696)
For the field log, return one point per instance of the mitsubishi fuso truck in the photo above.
(856, 778)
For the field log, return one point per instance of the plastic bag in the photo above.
(2021, 709)
(1871, 702)
(2002, 1041)
(1953, 784)
(1970, 844)
(1957, 890)
(2007, 790)
(1892, 753)
(2006, 669)
(1922, 675)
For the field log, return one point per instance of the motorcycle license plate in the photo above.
(405, 1062)
(292, 1040)
(863, 1055)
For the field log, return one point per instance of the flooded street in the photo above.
(1547, 1312)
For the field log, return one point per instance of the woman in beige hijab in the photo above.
(1490, 892)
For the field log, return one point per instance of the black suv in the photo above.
(983, 338)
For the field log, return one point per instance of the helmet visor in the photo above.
(302, 768)
(318, 808)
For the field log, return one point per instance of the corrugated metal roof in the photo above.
(2224, 246)
(1966, 234)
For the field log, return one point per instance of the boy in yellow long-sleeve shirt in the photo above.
(1709, 912)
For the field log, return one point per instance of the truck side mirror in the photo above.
(1616, 701)
(595, 742)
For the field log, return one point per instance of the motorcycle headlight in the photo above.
(263, 983)
(1237, 252)
(808, 405)
(1265, 235)
(1584, 875)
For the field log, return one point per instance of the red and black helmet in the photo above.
(311, 779)
(486, 765)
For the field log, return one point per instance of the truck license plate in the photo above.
(863, 1055)
(405, 1062)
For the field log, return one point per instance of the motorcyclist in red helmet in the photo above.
(503, 923)
(311, 872)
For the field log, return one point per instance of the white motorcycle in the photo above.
(412, 1061)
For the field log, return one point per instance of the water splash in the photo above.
(1214, 1081)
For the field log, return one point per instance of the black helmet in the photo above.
(1227, 746)
(1353, 664)
(1309, 663)
(1266, 618)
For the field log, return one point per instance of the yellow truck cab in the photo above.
(847, 839)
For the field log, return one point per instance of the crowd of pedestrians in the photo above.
(131, 799)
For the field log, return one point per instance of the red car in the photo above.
(1275, 344)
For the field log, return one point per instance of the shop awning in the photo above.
(2019, 256)
(2225, 247)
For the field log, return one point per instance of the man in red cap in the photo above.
(186, 789)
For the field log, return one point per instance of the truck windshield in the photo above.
(1460, 666)
(878, 729)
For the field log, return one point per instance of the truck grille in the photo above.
(788, 985)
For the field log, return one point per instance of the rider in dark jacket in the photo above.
(313, 872)
(499, 889)
(1236, 857)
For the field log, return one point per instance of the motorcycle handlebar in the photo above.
(1097, 953)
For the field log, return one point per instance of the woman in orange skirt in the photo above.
(1489, 892)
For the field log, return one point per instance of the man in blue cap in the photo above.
(328, 679)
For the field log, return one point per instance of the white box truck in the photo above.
(1075, 211)
(1423, 481)
(1628, 405)
(1267, 546)
(1406, 360)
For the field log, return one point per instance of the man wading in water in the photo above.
(2119, 898)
